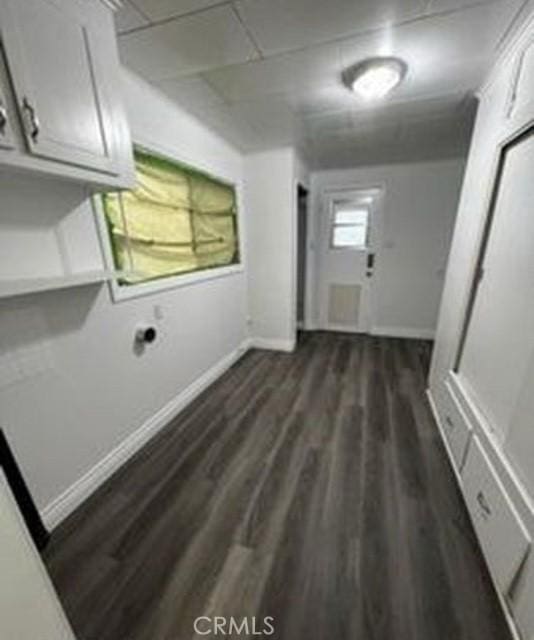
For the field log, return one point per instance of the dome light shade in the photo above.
(374, 78)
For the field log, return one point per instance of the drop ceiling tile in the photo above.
(450, 135)
(441, 6)
(187, 45)
(272, 120)
(373, 151)
(284, 25)
(413, 130)
(193, 93)
(238, 132)
(322, 99)
(366, 134)
(415, 109)
(284, 74)
(163, 9)
(128, 17)
(329, 122)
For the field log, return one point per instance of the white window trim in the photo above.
(151, 287)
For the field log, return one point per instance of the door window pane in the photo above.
(351, 216)
(349, 236)
(349, 227)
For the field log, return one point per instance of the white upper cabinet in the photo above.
(64, 75)
(57, 82)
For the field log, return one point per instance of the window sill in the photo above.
(128, 292)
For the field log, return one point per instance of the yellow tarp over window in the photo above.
(175, 221)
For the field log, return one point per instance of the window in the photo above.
(176, 221)
(349, 226)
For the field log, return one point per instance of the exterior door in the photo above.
(52, 53)
(348, 259)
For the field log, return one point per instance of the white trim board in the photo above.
(62, 506)
(273, 344)
(343, 328)
(403, 332)
(386, 332)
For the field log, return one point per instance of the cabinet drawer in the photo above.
(456, 427)
(501, 533)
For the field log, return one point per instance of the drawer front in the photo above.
(455, 425)
(501, 533)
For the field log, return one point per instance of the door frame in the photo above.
(305, 192)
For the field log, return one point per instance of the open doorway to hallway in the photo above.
(302, 243)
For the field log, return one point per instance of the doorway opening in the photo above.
(302, 244)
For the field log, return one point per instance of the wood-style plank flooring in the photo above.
(310, 487)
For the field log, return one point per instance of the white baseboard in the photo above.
(273, 344)
(342, 328)
(389, 332)
(403, 332)
(71, 498)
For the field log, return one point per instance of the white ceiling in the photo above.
(265, 73)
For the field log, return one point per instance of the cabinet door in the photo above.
(498, 337)
(57, 76)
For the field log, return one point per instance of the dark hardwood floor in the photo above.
(310, 487)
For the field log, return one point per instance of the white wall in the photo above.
(419, 207)
(74, 388)
(270, 197)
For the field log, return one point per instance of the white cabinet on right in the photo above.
(485, 344)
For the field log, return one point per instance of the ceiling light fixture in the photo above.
(374, 78)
